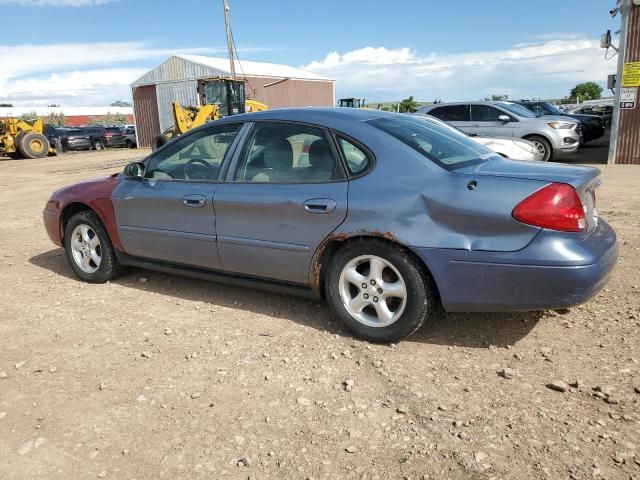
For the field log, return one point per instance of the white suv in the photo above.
(505, 119)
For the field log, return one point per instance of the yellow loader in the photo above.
(20, 139)
(219, 97)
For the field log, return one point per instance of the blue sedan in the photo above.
(385, 216)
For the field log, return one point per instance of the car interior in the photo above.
(285, 154)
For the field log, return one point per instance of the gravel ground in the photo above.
(158, 376)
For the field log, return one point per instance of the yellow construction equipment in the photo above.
(21, 139)
(219, 97)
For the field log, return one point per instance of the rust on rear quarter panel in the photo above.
(317, 266)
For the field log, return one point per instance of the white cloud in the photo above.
(81, 87)
(544, 69)
(77, 73)
(56, 3)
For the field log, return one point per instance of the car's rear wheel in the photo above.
(99, 145)
(89, 250)
(378, 290)
(543, 146)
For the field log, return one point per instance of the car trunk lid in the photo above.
(583, 179)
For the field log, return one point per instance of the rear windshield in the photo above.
(114, 129)
(444, 146)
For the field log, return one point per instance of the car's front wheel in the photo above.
(543, 146)
(378, 290)
(89, 250)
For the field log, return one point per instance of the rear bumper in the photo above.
(556, 270)
(75, 145)
(114, 142)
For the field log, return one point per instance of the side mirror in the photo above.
(504, 118)
(135, 170)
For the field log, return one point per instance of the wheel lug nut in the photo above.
(366, 296)
(375, 299)
(380, 290)
(373, 282)
(364, 285)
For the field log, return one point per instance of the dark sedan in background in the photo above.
(383, 215)
(103, 137)
(593, 126)
(75, 139)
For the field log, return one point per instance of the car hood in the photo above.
(577, 176)
(557, 118)
(580, 117)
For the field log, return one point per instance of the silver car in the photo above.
(550, 135)
(515, 148)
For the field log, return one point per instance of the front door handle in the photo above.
(320, 205)
(195, 201)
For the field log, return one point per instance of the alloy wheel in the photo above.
(542, 149)
(372, 291)
(86, 249)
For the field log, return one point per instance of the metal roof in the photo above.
(193, 67)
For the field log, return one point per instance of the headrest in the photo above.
(320, 156)
(278, 154)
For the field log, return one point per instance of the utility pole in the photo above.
(624, 7)
(232, 63)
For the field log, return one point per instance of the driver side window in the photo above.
(195, 157)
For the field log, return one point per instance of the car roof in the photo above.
(321, 116)
(473, 102)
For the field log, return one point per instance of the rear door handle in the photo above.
(195, 201)
(320, 205)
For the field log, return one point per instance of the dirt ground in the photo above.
(159, 376)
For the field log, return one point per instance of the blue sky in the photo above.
(87, 51)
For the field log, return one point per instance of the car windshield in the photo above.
(438, 143)
(550, 107)
(518, 110)
(114, 129)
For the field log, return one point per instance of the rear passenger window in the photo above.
(452, 113)
(357, 160)
(485, 113)
(287, 153)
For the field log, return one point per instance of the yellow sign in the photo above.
(630, 74)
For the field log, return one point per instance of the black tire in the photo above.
(420, 298)
(15, 155)
(542, 143)
(159, 141)
(33, 145)
(98, 145)
(109, 267)
(128, 143)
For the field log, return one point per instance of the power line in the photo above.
(233, 42)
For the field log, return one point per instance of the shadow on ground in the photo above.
(473, 330)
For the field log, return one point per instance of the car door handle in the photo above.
(320, 205)
(195, 201)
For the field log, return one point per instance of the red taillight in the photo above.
(556, 206)
(108, 135)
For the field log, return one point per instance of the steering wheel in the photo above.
(198, 169)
